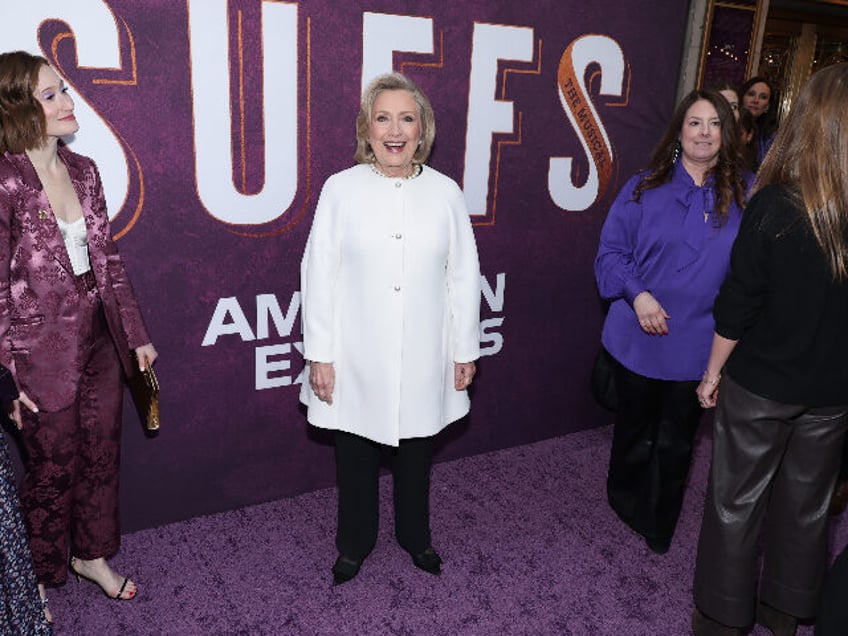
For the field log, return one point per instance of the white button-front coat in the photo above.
(390, 290)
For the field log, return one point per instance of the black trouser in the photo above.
(357, 473)
(651, 451)
(774, 463)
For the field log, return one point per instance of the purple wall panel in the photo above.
(224, 443)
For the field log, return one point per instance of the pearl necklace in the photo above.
(416, 170)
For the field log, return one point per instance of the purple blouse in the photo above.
(670, 244)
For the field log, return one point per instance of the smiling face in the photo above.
(395, 132)
(756, 99)
(700, 136)
(57, 105)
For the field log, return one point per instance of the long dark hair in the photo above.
(767, 122)
(729, 180)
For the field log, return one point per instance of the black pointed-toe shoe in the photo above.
(345, 569)
(429, 561)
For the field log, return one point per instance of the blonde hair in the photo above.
(394, 82)
(810, 157)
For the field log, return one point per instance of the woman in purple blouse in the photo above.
(664, 252)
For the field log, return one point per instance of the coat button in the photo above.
(397, 287)
(398, 184)
(398, 235)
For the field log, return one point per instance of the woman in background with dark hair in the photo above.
(664, 250)
(748, 146)
(778, 373)
(758, 98)
(729, 92)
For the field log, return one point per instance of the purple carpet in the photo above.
(529, 544)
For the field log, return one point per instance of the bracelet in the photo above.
(712, 382)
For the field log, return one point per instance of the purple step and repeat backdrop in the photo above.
(215, 124)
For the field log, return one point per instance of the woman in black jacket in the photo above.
(779, 368)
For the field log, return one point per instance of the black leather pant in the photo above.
(651, 451)
(776, 463)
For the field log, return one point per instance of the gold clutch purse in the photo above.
(144, 386)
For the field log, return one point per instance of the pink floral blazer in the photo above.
(39, 300)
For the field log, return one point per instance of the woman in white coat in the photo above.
(390, 286)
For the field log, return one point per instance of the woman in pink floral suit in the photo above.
(68, 319)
